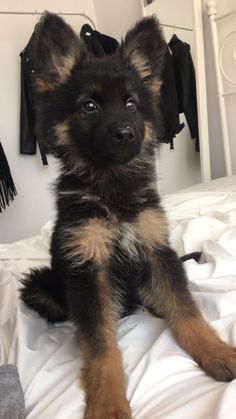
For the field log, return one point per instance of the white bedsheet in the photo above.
(163, 382)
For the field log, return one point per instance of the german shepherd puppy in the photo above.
(110, 249)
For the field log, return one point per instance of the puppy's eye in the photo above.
(131, 105)
(90, 106)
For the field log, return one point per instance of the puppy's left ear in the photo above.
(143, 50)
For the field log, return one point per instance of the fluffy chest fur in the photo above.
(117, 217)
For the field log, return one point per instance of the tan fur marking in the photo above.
(63, 65)
(151, 225)
(148, 133)
(62, 130)
(129, 241)
(110, 311)
(140, 64)
(94, 239)
(197, 338)
(42, 85)
(104, 382)
(193, 333)
(103, 376)
(155, 86)
(91, 241)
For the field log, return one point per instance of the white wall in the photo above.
(225, 26)
(34, 204)
(115, 17)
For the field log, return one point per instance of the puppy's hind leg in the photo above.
(42, 293)
(167, 292)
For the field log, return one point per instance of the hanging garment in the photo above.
(185, 84)
(169, 103)
(28, 139)
(7, 187)
(98, 43)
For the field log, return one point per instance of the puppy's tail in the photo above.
(194, 255)
(41, 292)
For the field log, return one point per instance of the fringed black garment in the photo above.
(7, 187)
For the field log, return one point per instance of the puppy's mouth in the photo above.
(121, 159)
(121, 154)
(113, 158)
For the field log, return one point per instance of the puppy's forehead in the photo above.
(103, 75)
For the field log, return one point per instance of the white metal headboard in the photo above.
(222, 72)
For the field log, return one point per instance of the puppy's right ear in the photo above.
(56, 50)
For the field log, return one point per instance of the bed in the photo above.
(162, 381)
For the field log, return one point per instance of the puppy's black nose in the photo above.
(124, 135)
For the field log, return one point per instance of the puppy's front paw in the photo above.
(221, 364)
(107, 411)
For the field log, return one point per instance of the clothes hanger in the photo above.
(86, 30)
(174, 36)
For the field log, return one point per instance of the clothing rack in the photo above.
(36, 13)
(177, 27)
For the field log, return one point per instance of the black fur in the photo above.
(43, 289)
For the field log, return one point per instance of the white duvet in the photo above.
(163, 382)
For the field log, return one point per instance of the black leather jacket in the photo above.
(28, 139)
(185, 84)
(169, 103)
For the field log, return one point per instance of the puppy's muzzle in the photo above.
(123, 136)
